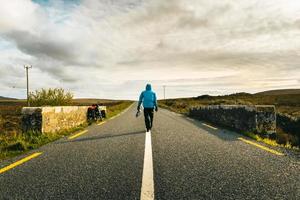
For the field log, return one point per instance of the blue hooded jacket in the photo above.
(148, 97)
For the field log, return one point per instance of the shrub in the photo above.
(50, 97)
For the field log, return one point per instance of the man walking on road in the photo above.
(148, 98)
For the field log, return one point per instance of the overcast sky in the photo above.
(112, 48)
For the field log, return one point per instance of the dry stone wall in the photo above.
(289, 124)
(53, 119)
(259, 119)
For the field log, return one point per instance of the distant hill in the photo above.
(280, 92)
(90, 101)
(6, 98)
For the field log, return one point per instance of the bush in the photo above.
(50, 97)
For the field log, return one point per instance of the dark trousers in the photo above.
(148, 114)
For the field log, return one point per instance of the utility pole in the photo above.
(164, 86)
(27, 67)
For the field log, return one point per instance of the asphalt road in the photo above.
(190, 161)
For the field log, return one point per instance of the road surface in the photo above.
(180, 159)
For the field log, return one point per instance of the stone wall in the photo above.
(53, 119)
(32, 119)
(289, 124)
(258, 119)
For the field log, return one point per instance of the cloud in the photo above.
(102, 46)
(42, 46)
(19, 15)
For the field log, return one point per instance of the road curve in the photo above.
(190, 161)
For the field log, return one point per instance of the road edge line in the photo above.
(99, 124)
(124, 111)
(20, 162)
(77, 135)
(261, 147)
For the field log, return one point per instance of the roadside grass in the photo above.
(116, 109)
(13, 142)
(269, 141)
(11, 146)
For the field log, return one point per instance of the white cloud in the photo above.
(96, 48)
(21, 15)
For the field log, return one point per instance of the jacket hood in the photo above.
(148, 87)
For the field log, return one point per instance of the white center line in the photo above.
(147, 191)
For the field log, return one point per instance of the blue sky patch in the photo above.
(50, 2)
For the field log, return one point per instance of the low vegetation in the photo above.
(12, 145)
(269, 141)
(14, 142)
(117, 108)
(285, 103)
(50, 97)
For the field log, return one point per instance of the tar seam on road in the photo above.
(77, 135)
(210, 126)
(15, 164)
(261, 147)
(147, 190)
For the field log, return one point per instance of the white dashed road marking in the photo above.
(209, 126)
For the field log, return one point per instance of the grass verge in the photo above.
(269, 141)
(117, 109)
(19, 143)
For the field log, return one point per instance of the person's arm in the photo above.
(140, 100)
(155, 103)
